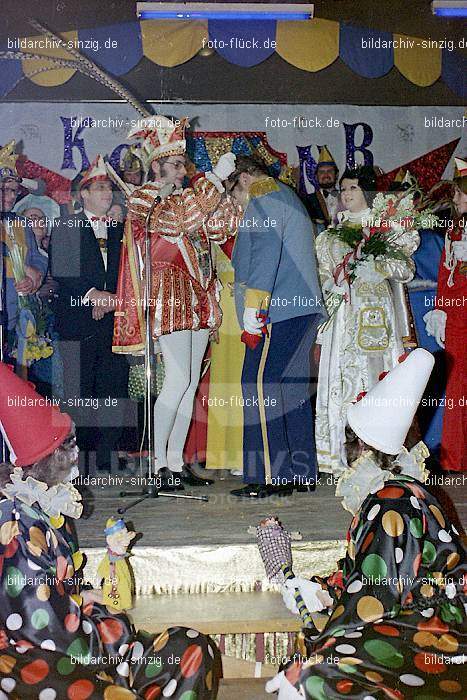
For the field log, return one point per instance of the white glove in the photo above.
(435, 322)
(225, 166)
(286, 689)
(367, 272)
(314, 597)
(459, 248)
(251, 322)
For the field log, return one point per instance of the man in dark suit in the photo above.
(322, 205)
(85, 255)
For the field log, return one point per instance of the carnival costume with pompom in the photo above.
(397, 627)
(53, 646)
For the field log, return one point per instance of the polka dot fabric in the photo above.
(53, 649)
(399, 620)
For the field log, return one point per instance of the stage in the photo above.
(225, 519)
(190, 550)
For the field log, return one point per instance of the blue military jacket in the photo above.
(274, 255)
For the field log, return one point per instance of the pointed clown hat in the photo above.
(31, 426)
(113, 526)
(325, 157)
(460, 174)
(96, 171)
(383, 416)
(160, 137)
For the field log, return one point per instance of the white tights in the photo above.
(183, 353)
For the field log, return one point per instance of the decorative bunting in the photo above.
(310, 46)
(117, 48)
(39, 71)
(362, 50)
(243, 43)
(422, 66)
(170, 43)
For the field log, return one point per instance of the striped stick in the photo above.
(301, 605)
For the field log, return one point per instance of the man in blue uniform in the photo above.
(278, 299)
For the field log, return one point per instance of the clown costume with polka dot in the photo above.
(58, 642)
(397, 625)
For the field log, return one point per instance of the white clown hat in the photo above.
(382, 417)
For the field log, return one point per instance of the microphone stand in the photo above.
(3, 312)
(151, 491)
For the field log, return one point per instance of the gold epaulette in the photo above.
(262, 187)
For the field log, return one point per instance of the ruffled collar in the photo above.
(365, 476)
(61, 499)
(354, 217)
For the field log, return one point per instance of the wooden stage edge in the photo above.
(225, 519)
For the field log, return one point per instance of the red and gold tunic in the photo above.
(184, 286)
(451, 297)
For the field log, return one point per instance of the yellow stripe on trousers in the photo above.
(262, 410)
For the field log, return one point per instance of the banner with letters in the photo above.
(66, 137)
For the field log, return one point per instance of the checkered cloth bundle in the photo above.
(275, 548)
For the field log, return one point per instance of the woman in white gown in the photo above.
(363, 337)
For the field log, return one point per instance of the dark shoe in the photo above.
(251, 491)
(165, 480)
(262, 491)
(189, 477)
(306, 488)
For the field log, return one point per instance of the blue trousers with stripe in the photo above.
(278, 432)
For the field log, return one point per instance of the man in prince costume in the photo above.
(397, 626)
(57, 640)
(184, 302)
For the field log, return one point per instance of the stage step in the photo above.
(243, 689)
(216, 613)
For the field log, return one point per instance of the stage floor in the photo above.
(225, 519)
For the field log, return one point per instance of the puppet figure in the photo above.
(114, 567)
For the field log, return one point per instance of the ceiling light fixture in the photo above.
(224, 10)
(449, 8)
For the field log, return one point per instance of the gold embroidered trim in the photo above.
(262, 187)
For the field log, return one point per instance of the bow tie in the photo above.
(326, 193)
(100, 218)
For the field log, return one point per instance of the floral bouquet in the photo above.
(379, 238)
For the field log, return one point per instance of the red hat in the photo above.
(96, 171)
(32, 427)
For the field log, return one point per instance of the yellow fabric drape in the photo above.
(41, 45)
(311, 46)
(422, 66)
(224, 448)
(170, 43)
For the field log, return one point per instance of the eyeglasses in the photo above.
(178, 164)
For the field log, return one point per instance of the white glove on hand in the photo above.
(367, 272)
(435, 322)
(285, 688)
(251, 322)
(225, 166)
(459, 248)
(314, 597)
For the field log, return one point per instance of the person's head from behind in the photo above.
(248, 169)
